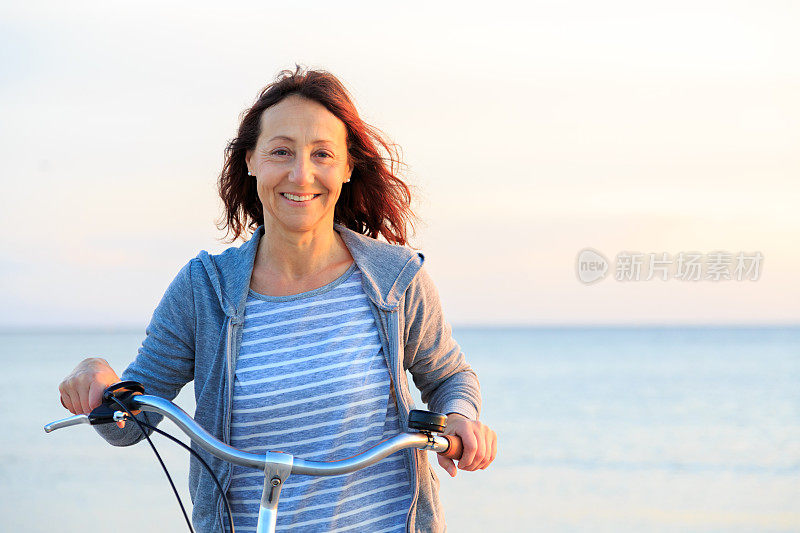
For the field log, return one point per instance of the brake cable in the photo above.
(121, 394)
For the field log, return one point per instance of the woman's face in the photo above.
(300, 162)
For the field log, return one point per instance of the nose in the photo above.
(303, 171)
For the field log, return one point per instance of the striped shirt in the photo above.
(311, 380)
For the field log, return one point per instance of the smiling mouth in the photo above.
(299, 197)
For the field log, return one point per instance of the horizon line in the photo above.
(130, 328)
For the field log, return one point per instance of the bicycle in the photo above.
(277, 466)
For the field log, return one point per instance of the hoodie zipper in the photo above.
(394, 337)
(230, 371)
(226, 426)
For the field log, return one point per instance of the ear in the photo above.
(349, 171)
(247, 156)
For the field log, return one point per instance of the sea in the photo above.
(599, 429)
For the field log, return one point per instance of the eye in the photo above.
(280, 152)
(325, 154)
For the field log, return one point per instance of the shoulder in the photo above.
(366, 246)
(388, 269)
(422, 292)
(233, 256)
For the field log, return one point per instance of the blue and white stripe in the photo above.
(311, 380)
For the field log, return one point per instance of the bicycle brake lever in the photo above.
(122, 392)
(73, 420)
(104, 413)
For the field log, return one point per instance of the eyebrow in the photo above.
(285, 138)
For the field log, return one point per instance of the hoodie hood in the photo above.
(387, 270)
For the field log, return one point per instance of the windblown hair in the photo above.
(376, 202)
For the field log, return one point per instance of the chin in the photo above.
(304, 226)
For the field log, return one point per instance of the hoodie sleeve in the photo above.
(165, 362)
(437, 365)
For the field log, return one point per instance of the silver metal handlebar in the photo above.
(276, 466)
(219, 449)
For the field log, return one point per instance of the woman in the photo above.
(299, 339)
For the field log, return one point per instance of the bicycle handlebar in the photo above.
(277, 466)
(447, 445)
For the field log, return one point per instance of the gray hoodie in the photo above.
(196, 330)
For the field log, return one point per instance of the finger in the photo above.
(95, 396)
(64, 397)
(65, 401)
(470, 443)
(73, 404)
(480, 452)
(491, 450)
(448, 465)
(487, 449)
(83, 393)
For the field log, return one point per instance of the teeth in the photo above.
(298, 198)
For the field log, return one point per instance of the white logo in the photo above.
(591, 266)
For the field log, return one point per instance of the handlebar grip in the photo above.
(455, 449)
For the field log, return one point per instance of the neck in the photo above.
(299, 254)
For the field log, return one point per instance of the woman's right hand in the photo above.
(82, 390)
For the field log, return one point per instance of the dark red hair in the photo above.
(375, 202)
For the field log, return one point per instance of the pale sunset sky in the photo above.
(531, 131)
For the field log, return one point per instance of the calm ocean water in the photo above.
(600, 429)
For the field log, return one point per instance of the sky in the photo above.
(530, 133)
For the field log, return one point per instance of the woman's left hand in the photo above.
(480, 444)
